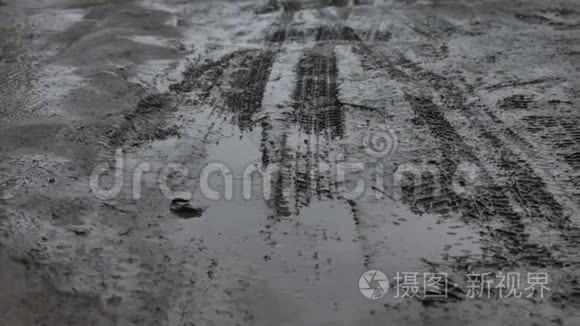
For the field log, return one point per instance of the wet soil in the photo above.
(245, 115)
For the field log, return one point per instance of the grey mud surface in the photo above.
(492, 85)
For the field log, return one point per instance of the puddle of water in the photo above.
(408, 237)
(57, 20)
(149, 40)
(304, 267)
(311, 263)
(237, 151)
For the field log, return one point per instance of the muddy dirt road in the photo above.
(307, 142)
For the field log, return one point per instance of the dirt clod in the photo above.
(184, 209)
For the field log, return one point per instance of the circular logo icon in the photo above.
(380, 141)
(373, 284)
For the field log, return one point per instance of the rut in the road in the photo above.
(317, 110)
(244, 99)
(493, 202)
(489, 203)
(319, 118)
(233, 84)
(565, 139)
(145, 123)
(318, 113)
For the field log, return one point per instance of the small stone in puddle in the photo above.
(80, 231)
(184, 209)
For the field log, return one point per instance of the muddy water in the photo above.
(299, 253)
(296, 86)
(318, 101)
(308, 264)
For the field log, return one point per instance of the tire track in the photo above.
(529, 197)
(303, 145)
(276, 123)
(488, 204)
(204, 77)
(560, 140)
(332, 32)
(244, 100)
(320, 119)
(313, 119)
(316, 104)
(532, 134)
(145, 123)
(492, 202)
(315, 116)
(563, 137)
(323, 33)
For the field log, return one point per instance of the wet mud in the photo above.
(295, 88)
